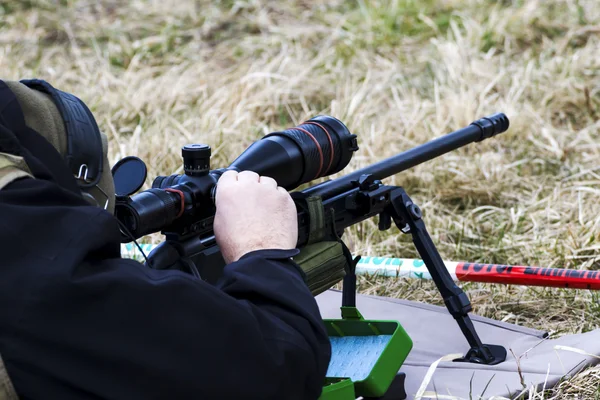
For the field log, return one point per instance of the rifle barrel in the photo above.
(477, 131)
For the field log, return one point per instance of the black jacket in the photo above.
(78, 322)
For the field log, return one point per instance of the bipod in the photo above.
(408, 218)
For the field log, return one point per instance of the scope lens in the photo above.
(316, 148)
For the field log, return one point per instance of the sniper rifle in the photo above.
(182, 207)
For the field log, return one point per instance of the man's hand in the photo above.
(253, 213)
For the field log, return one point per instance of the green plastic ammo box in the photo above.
(366, 356)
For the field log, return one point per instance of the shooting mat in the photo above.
(435, 334)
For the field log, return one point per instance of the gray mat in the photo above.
(435, 334)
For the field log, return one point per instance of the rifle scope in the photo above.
(316, 148)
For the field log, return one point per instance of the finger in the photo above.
(228, 177)
(248, 176)
(282, 190)
(268, 181)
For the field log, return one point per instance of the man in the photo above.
(78, 322)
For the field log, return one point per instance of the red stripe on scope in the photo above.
(318, 148)
(330, 142)
(181, 200)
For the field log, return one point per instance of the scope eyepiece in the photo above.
(148, 211)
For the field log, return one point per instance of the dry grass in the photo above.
(159, 74)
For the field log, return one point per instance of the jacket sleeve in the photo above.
(77, 321)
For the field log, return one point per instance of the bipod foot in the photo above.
(489, 354)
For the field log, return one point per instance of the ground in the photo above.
(160, 74)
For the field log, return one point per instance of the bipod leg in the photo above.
(408, 219)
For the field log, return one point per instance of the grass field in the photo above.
(160, 74)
